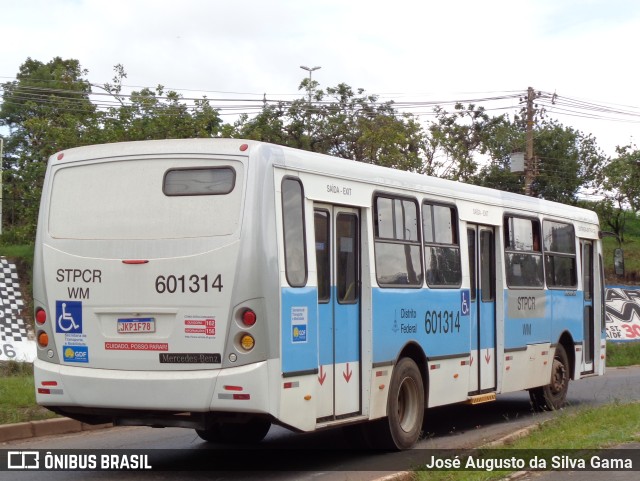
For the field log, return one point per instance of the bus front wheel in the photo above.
(553, 395)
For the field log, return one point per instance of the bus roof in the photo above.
(322, 164)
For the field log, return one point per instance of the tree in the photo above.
(341, 122)
(620, 178)
(155, 114)
(47, 109)
(568, 161)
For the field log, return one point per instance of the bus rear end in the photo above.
(137, 318)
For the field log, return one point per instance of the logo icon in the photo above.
(69, 316)
(23, 460)
(75, 353)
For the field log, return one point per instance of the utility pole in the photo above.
(529, 162)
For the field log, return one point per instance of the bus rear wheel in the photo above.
(251, 432)
(405, 409)
(554, 395)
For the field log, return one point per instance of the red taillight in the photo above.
(249, 318)
(41, 315)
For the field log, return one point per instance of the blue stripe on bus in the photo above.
(299, 330)
(297, 352)
(434, 318)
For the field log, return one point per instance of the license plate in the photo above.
(136, 325)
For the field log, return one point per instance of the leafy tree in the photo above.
(341, 122)
(620, 178)
(461, 136)
(155, 114)
(568, 161)
(47, 109)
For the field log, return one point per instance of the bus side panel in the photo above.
(299, 330)
(433, 319)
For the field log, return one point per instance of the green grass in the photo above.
(24, 252)
(17, 395)
(586, 429)
(623, 354)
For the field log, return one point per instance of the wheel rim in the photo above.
(408, 404)
(558, 380)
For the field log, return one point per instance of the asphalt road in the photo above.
(328, 455)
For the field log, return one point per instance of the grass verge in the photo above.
(584, 430)
(17, 395)
(620, 354)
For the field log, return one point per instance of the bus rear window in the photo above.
(146, 199)
(199, 181)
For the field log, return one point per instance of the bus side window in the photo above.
(295, 257)
(523, 254)
(441, 247)
(560, 254)
(397, 242)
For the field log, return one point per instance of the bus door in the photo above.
(588, 277)
(337, 240)
(482, 268)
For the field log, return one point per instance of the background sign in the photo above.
(15, 344)
(622, 313)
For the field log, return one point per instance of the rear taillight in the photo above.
(249, 317)
(41, 315)
(43, 339)
(247, 342)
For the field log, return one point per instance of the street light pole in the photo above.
(310, 70)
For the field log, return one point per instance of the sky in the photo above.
(417, 50)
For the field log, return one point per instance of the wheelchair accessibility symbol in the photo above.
(69, 316)
(465, 302)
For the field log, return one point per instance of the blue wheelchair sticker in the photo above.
(69, 317)
(465, 302)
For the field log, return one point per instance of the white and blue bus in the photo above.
(225, 285)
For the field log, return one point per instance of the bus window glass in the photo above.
(294, 241)
(410, 226)
(199, 181)
(523, 254)
(427, 222)
(384, 224)
(471, 243)
(397, 243)
(587, 269)
(347, 262)
(443, 218)
(323, 258)
(560, 254)
(487, 267)
(442, 252)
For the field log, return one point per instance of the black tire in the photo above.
(251, 432)
(405, 409)
(553, 396)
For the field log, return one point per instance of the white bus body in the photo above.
(225, 285)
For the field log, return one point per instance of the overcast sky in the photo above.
(400, 49)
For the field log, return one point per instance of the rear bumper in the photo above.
(240, 389)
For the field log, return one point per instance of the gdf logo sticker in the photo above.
(75, 353)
